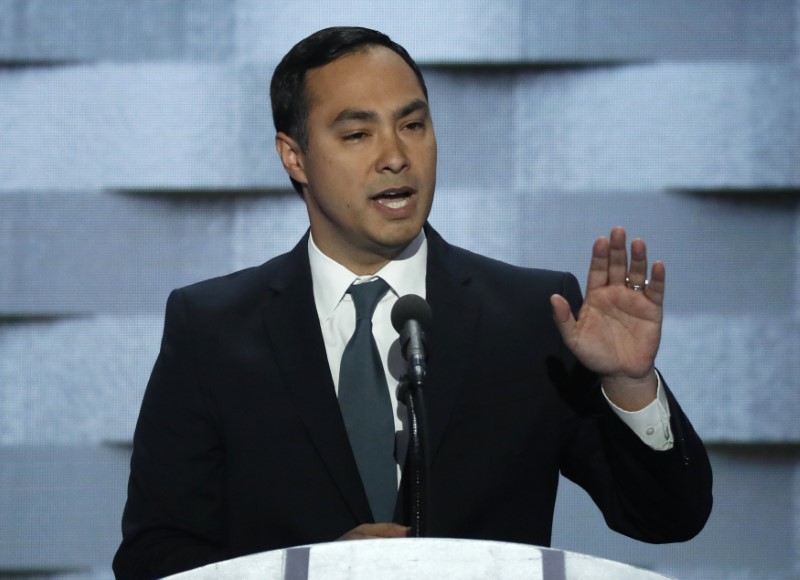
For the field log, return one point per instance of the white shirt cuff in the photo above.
(650, 424)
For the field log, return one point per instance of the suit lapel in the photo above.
(451, 340)
(456, 311)
(292, 325)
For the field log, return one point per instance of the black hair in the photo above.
(290, 101)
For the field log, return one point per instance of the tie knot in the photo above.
(366, 297)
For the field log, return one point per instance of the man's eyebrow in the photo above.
(413, 107)
(355, 115)
(364, 115)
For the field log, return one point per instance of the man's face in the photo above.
(369, 170)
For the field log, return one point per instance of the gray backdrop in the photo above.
(136, 156)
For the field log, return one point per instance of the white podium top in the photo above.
(415, 558)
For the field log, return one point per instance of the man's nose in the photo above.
(393, 155)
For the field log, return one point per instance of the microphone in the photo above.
(411, 316)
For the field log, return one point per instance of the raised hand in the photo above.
(618, 329)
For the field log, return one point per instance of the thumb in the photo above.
(562, 316)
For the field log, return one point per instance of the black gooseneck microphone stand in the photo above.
(411, 393)
(411, 316)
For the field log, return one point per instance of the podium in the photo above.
(418, 558)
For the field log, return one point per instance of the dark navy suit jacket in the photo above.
(240, 446)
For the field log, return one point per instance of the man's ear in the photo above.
(291, 156)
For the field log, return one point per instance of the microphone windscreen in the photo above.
(411, 307)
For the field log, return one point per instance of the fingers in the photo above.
(617, 258)
(565, 321)
(655, 288)
(598, 268)
(609, 263)
(637, 273)
(609, 266)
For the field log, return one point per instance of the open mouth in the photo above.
(394, 198)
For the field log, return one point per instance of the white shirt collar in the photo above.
(405, 274)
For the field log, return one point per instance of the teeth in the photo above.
(394, 203)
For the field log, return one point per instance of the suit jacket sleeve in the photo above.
(654, 496)
(172, 520)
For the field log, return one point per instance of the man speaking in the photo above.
(271, 417)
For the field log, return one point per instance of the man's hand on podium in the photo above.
(371, 531)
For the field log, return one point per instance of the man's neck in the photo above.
(368, 263)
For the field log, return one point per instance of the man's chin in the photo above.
(393, 243)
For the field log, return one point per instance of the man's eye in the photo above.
(415, 125)
(355, 136)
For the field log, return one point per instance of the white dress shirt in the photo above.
(406, 275)
(337, 313)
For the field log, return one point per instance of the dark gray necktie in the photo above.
(366, 406)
